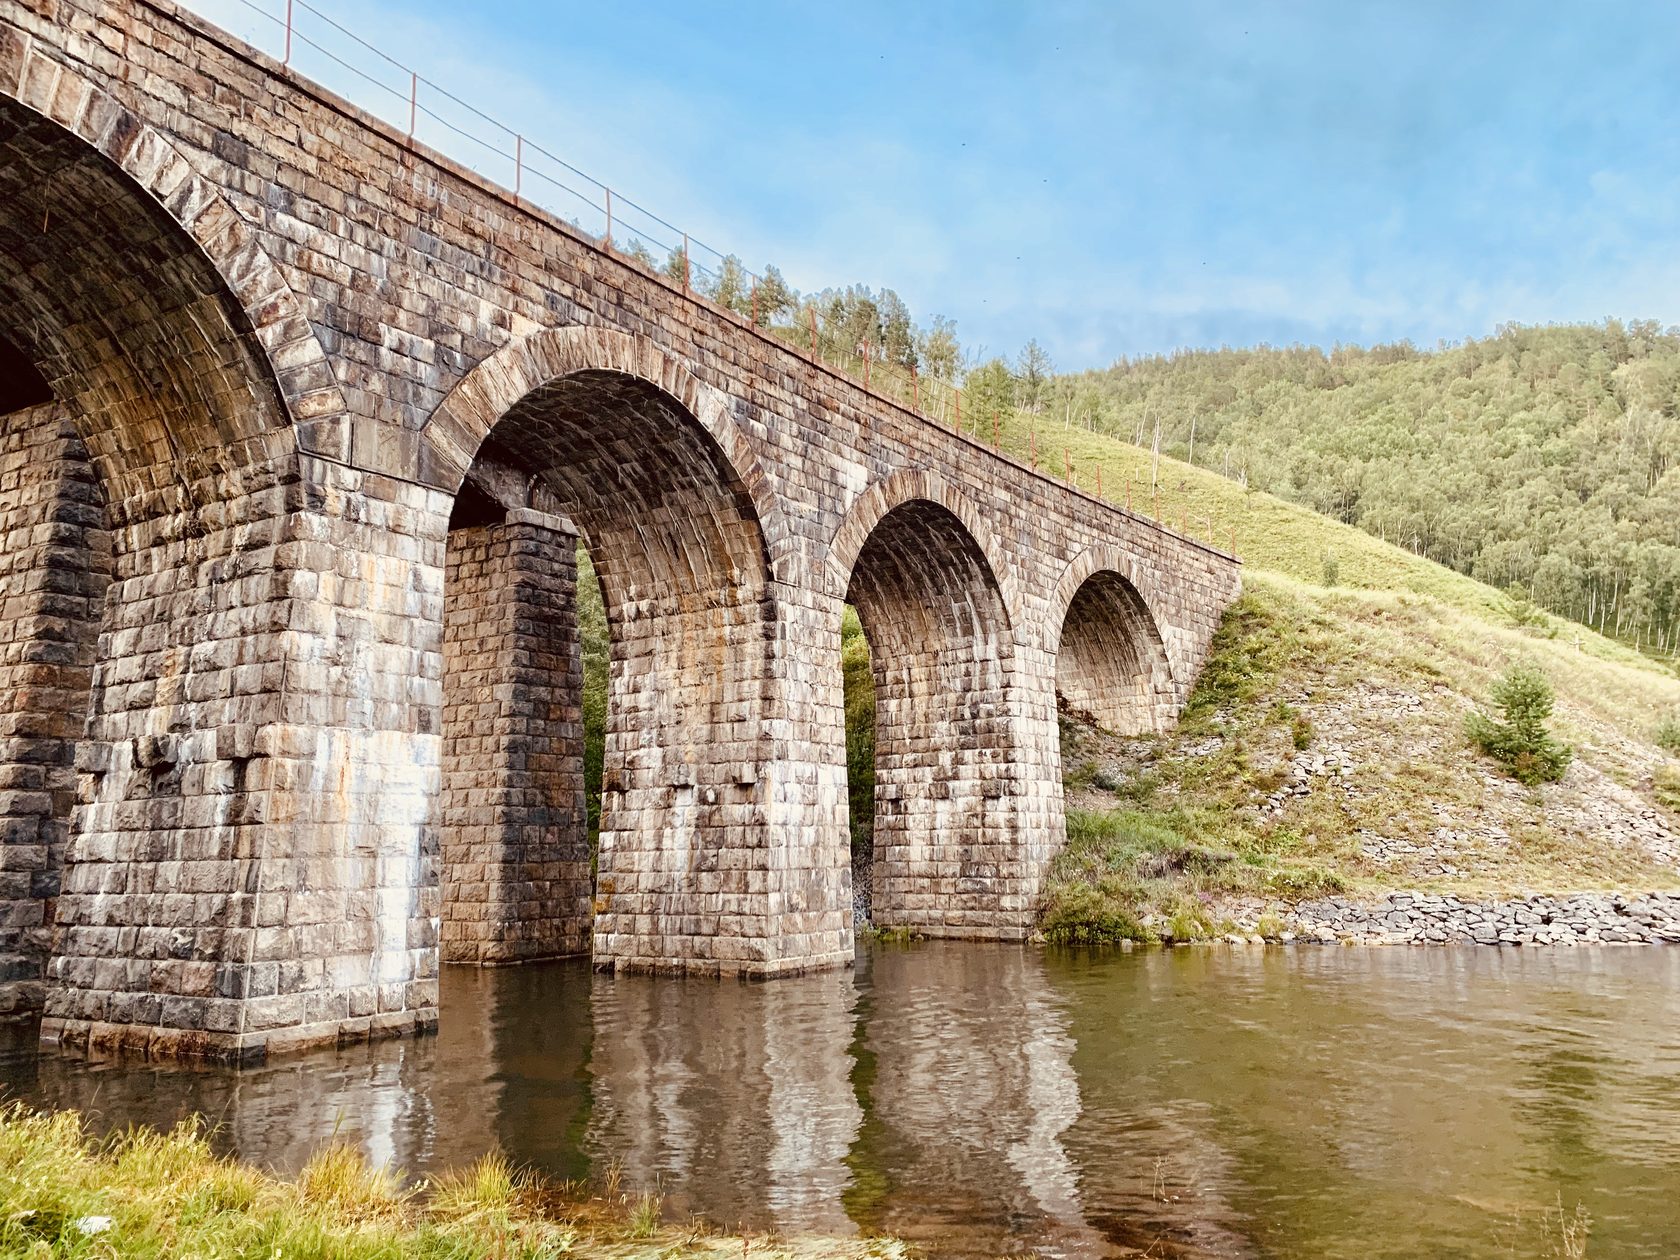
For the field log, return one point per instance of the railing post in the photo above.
(686, 268)
(812, 311)
(1032, 442)
(915, 390)
(518, 166)
(1067, 464)
(1099, 481)
(287, 60)
(754, 304)
(413, 103)
(866, 365)
(609, 220)
(957, 394)
(997, 432)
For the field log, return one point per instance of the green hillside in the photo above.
(1542, 458)
(1269, 533)
(1352, 650)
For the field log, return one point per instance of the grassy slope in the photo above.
(1379, 670)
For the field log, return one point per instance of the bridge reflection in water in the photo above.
(982, 1100)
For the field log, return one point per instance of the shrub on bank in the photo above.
(1518, 738)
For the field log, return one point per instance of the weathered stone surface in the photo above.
(316, 737)
(515, 845)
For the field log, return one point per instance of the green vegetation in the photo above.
(1666, 786)
(1332, 568)
(144, 1194)
(1144, 874)
(1545, 457)
(1518, 739)
(594, 639)
(1667, 735)
(860, 732)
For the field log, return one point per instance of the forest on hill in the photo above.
(1541, 458)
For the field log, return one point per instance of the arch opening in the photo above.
(1111, 666)
(601, 472)
(135, 405)
(126, 320)
(940, 653)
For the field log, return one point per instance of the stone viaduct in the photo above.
(299, 428)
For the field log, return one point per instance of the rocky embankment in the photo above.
(1423, 919)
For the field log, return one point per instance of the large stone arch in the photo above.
(920, 566)
(259, 307)
(455, 432)
(1111, 661)
(601, 432)
(893, 491)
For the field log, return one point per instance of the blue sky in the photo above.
(1113, 179)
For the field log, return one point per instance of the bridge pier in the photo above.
(54, 568)
(515, 875)
(949, 697)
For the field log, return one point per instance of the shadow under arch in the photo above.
(909, 484)
(177, 358)
(584, 433)
(946, 853)
(90, 190)
(1112, 666)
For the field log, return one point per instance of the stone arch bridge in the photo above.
(301, 428)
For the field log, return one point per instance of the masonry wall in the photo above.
(266, 767)
(54, 568)
(515, 846)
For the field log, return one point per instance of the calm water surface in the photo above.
(982, 1100)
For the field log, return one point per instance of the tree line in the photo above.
(1540, 460)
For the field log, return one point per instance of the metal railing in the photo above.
(306, 39)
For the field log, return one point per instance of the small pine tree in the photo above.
(1033, 376)
(774, 296)
(1518, 739)
(1521, 609)
(729, 287)
(677, 268)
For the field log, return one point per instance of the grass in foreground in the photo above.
(148, 1194)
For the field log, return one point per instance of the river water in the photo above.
(985, 1100)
